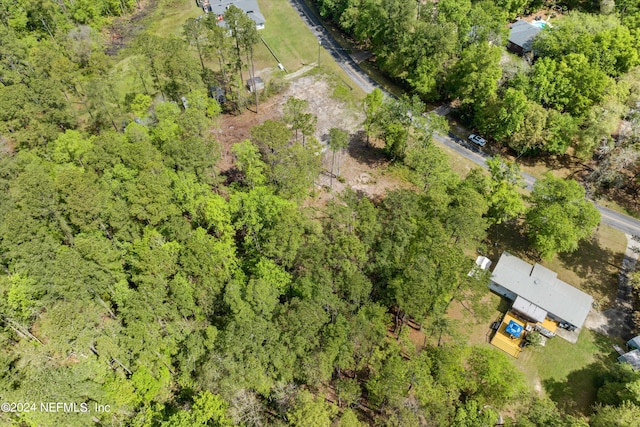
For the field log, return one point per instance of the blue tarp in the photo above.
(514, 329)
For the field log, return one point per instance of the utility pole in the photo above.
(319, 47)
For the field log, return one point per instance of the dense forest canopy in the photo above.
(136, 276)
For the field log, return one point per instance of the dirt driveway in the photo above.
(617, 320)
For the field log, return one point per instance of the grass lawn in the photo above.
(460, 165)
(287, 35)
(476, 325)
(559, 166)
(593, 268)
(295, 46)
(567, 373)
(170, 15)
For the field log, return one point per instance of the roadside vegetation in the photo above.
(577, 99)
(137, 276)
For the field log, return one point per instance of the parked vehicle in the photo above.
(477, 140)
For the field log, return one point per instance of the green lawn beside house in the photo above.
(568, 373)
(288, 36)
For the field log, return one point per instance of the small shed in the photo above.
(482, 263)
(254, 84)
(521, 36)
(634, 343)
(632, 358)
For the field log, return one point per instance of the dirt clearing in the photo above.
(360, 167)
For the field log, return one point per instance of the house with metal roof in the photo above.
(521, 36)
(250, 7)
(538, 294)
(632, 358)
(634, 343)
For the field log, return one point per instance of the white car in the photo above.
(478, 140)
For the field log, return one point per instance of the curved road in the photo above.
(622, 222)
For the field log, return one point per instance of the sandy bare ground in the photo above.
(361, 167)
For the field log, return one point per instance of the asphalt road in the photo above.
(349, 66)
(622, 222)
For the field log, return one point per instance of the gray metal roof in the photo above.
(634, 342)
(541, 286)
(529, 309)
(522, 34)
(632, 358)
(250, 7)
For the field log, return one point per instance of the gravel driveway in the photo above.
(617, 321)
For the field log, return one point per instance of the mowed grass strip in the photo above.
(288, 36)
(296, 46)
(170, 16)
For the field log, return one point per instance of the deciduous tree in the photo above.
(560, 216)
(505, 200)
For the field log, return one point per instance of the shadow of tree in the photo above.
(504, 305)
(509, 236)
(598, 266)
(371, 154)
(627, 196)
(576, 394)
(619, 322)
(231, 175)
(553, 162)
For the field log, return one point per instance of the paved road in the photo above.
(612, 218)
(478, 157)
(349, 66)
(622, 222)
